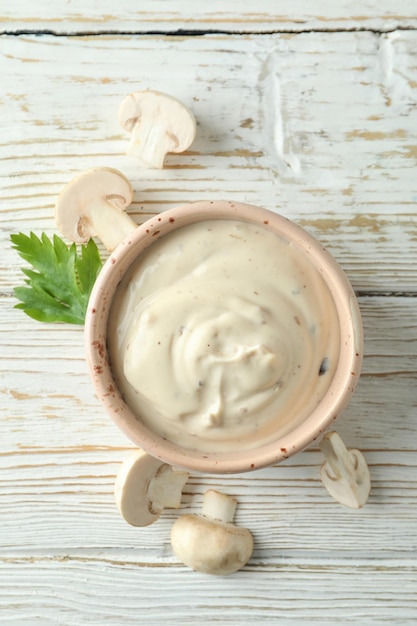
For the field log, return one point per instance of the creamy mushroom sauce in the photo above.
(223, 336)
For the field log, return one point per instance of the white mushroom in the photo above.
(209, 542)
(158, 124)
(93, 204)
(145, 486)
(345, 474)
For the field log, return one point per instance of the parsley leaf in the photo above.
(59, 284)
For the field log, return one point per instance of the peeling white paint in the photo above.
(393, 60)
(275, 118)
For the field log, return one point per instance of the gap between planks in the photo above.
(180, 33)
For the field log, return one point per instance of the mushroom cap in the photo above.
(167, 111)
(97, 185)
(131, 488)
(210, 546)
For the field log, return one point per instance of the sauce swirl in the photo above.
(223, 336)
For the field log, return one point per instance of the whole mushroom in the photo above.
(93, 204)
(146, 486)
(158, 124)
(210, 542)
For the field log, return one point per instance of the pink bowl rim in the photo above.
(335, 400)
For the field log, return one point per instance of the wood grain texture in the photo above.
(343, 594)
(319, 126)
(321, 129)
(63, 16)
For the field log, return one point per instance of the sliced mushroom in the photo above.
(93, 204)
(209, 542)
(345, 474)
(146, 486)
(158, 124)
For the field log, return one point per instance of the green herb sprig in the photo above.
(59, 284)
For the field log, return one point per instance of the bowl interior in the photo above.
(96, 334)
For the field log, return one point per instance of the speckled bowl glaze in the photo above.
(96, 333)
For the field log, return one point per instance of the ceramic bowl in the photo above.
(302, 435)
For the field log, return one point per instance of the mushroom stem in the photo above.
(345, 473)
(165, 488)
(219, 506)
(108, 220)
(150, 142)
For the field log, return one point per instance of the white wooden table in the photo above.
(306, 108)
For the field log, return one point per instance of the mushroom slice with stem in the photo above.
(210, 542)
(158, 124)
(93, 204)
(146, 486)
(345, 473)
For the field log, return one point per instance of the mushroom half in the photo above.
(146, 486)
(345, 473)
(93, 204)
(158, 124)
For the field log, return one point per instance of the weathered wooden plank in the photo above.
(51, 591)
(54, 506)
(43, 367)
(267, 15)
(319, 127)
